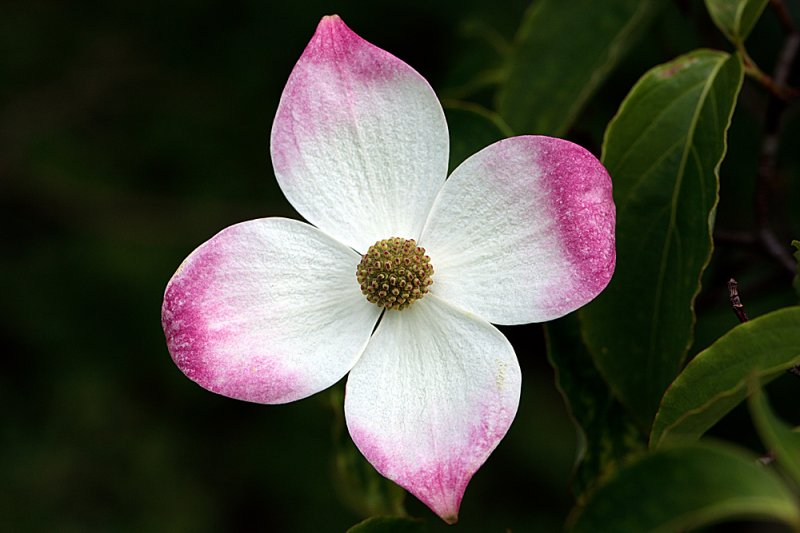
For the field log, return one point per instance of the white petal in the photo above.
(523, 231)
(359, 143)
(433, 394)
(267, 311)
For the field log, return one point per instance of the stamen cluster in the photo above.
(394, 273)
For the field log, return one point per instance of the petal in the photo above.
(267, 311)
(523, 231)
(433, 394)
(359, 143)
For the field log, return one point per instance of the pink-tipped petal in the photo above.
(523, 231)
(267, 311)
(433, 394)
(359, 143)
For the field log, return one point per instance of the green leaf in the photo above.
(796, 282)
(389, 524)
(563, 52)
(472, 128)
(777, 436)
(715, 381)
(735, 18)
(678, 488)
(663, 150)
(606, 433)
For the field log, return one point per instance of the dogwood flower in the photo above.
(400, 272)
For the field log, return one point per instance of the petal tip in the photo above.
(331, 29)
(451, 519)
(331, 22)
(447, 510)
(333, 17)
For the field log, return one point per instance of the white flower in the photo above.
(270, 310)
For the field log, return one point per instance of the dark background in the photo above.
(131, 132)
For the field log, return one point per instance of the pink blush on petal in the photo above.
(356, 131)
(335, 69)
(206, 340)
(439, 485)
(338, 47)
(440, 482)
(580, 194)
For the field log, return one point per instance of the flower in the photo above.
(271, 310)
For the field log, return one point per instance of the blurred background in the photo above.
(131, 132)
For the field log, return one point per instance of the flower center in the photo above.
(394, 273)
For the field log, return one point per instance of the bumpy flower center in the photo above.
(394, 273)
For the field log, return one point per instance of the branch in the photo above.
(768, 158)
(736, 301)
(777, 84)
(784, 17)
